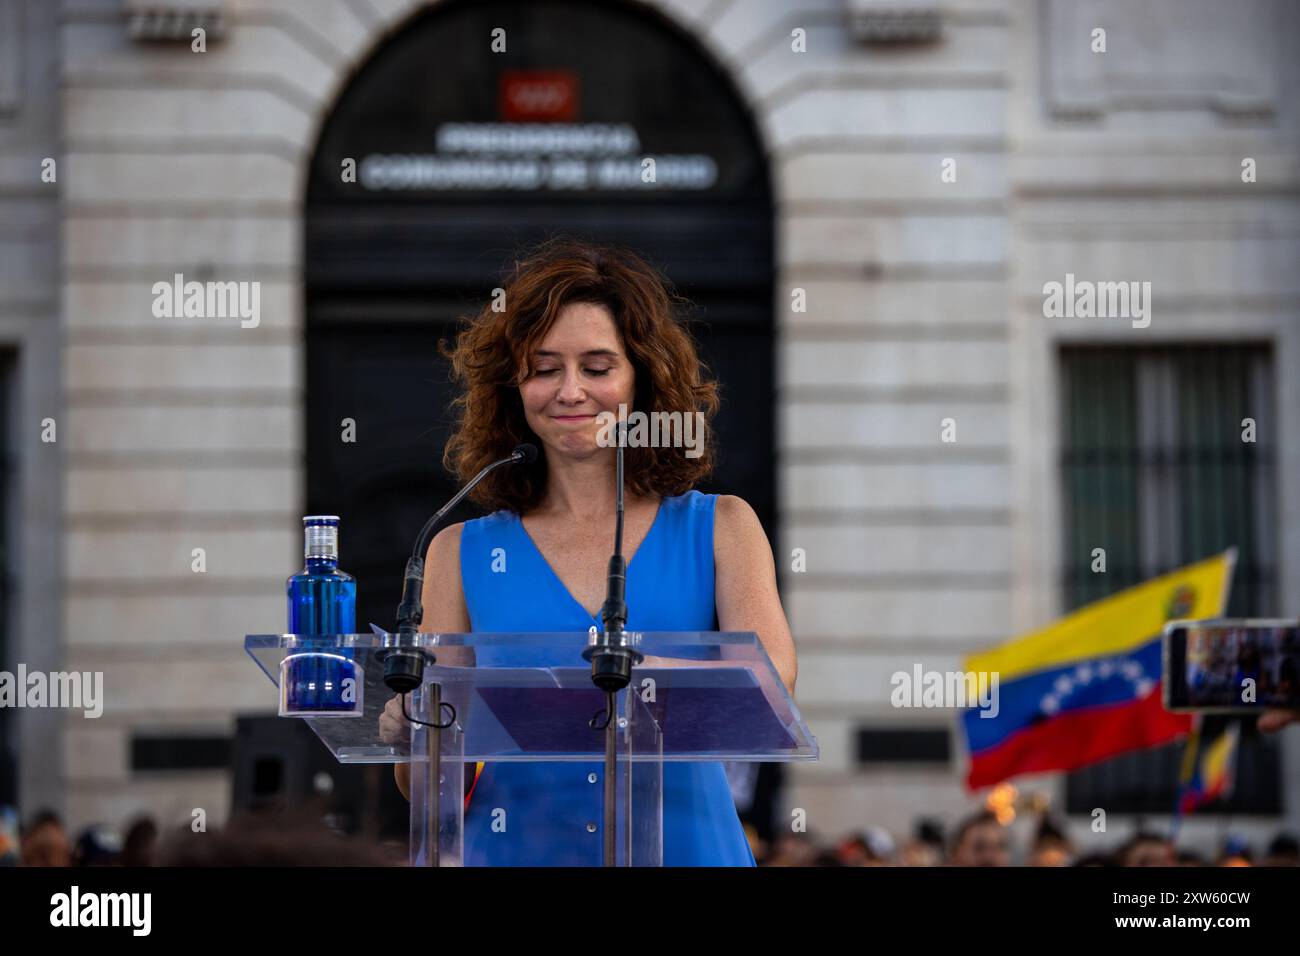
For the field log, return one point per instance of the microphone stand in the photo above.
(612, 659)
(404, 664)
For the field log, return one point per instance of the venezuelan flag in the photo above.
(1088, 687)
(1213, 775)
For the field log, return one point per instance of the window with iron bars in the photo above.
(1156, 471)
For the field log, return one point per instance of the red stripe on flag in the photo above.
(1078, 738)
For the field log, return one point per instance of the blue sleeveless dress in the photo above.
(553, 810)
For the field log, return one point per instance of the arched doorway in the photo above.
(464, 155)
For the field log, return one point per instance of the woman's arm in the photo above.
(444, 612)
(745, 584)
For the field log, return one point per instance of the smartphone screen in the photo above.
(1231, 665)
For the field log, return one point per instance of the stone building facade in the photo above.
(924, 302)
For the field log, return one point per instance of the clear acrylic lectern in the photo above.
(698, 696)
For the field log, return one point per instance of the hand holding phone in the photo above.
(1272, 720)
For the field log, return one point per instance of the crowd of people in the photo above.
(981, 840)
(261, 839)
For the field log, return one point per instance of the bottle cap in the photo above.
(321, 536)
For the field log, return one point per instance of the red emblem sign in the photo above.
(538, 96)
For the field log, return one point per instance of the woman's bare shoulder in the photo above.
(736, 528)
(733, 514)
(444, 597)
(444, 549)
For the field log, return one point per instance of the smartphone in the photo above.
(1231, 666)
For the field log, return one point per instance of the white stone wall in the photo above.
(29, 332)
(909, 540)
(186, 433)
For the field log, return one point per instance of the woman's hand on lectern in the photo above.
(393, 727)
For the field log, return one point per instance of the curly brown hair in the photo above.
(493, 357)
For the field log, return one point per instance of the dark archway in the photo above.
(453, 179)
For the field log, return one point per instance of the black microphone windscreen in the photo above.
(527, 451)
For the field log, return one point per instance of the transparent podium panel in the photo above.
(640, 785)
(436, 811)
(715, 695)
(696, 696)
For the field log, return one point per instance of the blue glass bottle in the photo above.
(322, 600)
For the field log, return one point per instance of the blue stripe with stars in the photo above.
(1040, 696)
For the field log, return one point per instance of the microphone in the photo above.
(404, 667)
(611, 658)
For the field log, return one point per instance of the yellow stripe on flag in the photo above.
(1117, 624)
(1218, 755)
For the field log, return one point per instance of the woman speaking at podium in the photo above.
(585, 329)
